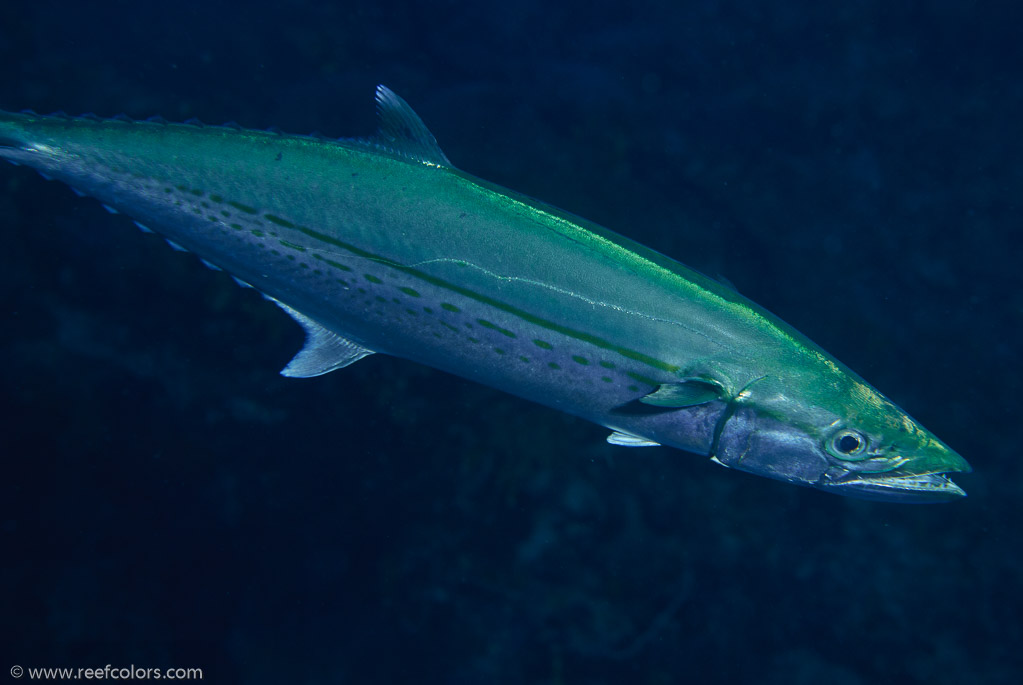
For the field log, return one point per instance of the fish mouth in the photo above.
(921, 488)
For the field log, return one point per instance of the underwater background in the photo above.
(168, 500)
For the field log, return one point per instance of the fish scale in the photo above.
(382, 245)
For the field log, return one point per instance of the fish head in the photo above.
(840, 436)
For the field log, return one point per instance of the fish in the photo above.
(382, 245)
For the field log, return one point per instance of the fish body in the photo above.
(381, 245)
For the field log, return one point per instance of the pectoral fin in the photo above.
(686, 393)
(324, 350)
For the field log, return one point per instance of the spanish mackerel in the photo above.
(382, 245)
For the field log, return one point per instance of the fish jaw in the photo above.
(927, 488)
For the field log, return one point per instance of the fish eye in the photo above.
(848, 444)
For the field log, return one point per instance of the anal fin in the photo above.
(324, 350)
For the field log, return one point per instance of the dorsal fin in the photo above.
(402, 132)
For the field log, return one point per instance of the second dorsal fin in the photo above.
(401, 131)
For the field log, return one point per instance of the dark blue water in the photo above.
(167, 500)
